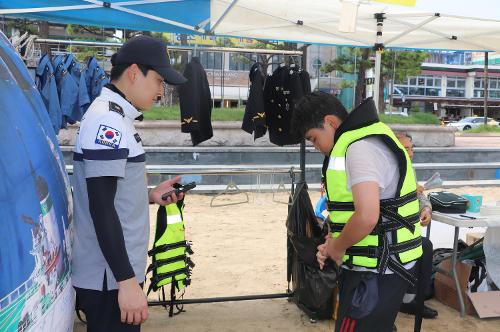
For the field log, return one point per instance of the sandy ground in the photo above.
(241, 250)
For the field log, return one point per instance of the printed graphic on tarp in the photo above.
(35, 209)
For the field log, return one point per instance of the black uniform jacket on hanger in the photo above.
(254, 120)
(196, 103)
(282, 90)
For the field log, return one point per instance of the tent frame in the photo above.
(119, 6)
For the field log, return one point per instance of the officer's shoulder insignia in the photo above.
(114, 107)
(137, 137)
(108, 136)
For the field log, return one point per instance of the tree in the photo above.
(352, 61)
(268, 59)
(98, 33)
(398, 65)
(357, 61)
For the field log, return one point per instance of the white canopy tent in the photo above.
(317, 21)
(463, 25)
(372, 23)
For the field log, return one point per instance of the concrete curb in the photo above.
(229, 133)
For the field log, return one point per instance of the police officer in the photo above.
(373, 209)
(110, 190)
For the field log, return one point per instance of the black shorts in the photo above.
(377, 311)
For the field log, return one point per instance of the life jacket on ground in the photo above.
(402, 212)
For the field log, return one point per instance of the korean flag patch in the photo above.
(108, 136)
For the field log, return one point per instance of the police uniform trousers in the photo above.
(369, 302)
(101, 309)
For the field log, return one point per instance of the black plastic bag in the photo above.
(312, 287)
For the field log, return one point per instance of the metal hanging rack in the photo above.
(176, 301)
(170, 47)
(193, 48)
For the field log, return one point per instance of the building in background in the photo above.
(450, 91)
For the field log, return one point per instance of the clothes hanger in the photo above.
(282, 188)
(231, 189)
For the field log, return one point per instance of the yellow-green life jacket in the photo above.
(402, 211)
(170, 261)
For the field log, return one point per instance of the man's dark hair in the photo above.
(310, 111)
(117, 71)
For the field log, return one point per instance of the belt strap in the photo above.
(399, 269)
(161, 276)
(388, 202)
(399, 201)
(162, 262)
(372, 252)
(339, 206)
(407, 222)
(169, 246)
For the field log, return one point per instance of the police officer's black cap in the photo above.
(151, 52)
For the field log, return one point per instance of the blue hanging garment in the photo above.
(46, 84)
(95, 78)
(67, 88)
(83, 101)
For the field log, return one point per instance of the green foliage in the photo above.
(407, 63)
(350, 61)
(415, 109)
(236, 114)
(346, 84)
(484, 129)
(85, 52)
(173, 113)
(23, 26)
(415, 118)
(224, 42)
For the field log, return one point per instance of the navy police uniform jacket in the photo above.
(282, 90)
(196, 103)
(254, 120)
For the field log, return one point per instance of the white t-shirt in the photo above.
(371, 160)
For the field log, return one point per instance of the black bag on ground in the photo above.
(446, 202)
(313, 288)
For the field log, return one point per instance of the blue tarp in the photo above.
(190, 13)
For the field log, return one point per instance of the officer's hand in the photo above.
(425, 216)
(164, 187)
(132, 302)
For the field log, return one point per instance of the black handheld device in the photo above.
(178, 189)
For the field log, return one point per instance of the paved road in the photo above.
(477, 141)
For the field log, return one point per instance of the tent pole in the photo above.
(485, 88)
(303, 142)
(378, 64)
(379, 47)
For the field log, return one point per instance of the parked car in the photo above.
(471, 122)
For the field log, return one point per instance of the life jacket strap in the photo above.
(393, 203)
(157, 278)
(170, 246)
(161, 262)
(397, 202)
